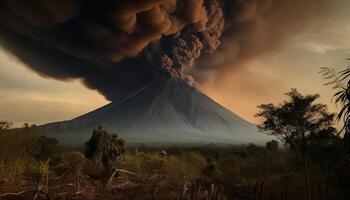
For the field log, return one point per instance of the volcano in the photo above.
(163, 111)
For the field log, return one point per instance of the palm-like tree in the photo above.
(341, 82)
(342, 97)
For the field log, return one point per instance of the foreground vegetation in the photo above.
(36, 167)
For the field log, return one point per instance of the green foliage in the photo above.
(272, 146)
(104, 146)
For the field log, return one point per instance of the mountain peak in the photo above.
(163, 111)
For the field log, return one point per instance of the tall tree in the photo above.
(295, 122)
(342, 97)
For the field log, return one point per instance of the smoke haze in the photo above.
(115, 47)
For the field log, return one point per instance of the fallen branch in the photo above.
(59, 177)
(62, 194)
(111, 178)
(16, 194)
(125, 171)
(122, 185)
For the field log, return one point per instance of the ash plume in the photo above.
(116, 47)
(255, 28)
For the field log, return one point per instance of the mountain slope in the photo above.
(164, 111)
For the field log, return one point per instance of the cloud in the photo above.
(115, 47)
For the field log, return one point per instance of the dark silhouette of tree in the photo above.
(341, 82)
(105, 147)
(342, 97)
(294, 122)
(272, 146)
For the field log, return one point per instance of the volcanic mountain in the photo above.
(164, 111)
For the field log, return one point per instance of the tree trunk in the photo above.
(306, 176)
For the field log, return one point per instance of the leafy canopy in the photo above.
(296, 120)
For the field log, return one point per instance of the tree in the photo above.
(341, 82)
(272, 146)
(105, 147)
(342, 97)
(294, 122)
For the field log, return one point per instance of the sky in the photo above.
(268, 77)
(27, 97)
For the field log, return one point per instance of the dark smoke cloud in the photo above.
(257, 27)
(116, 47)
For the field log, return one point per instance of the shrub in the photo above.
(104, 147)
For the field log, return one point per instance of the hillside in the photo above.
(164, 111)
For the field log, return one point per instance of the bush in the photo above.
(104, 147)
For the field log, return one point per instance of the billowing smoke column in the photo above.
(116, 46)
